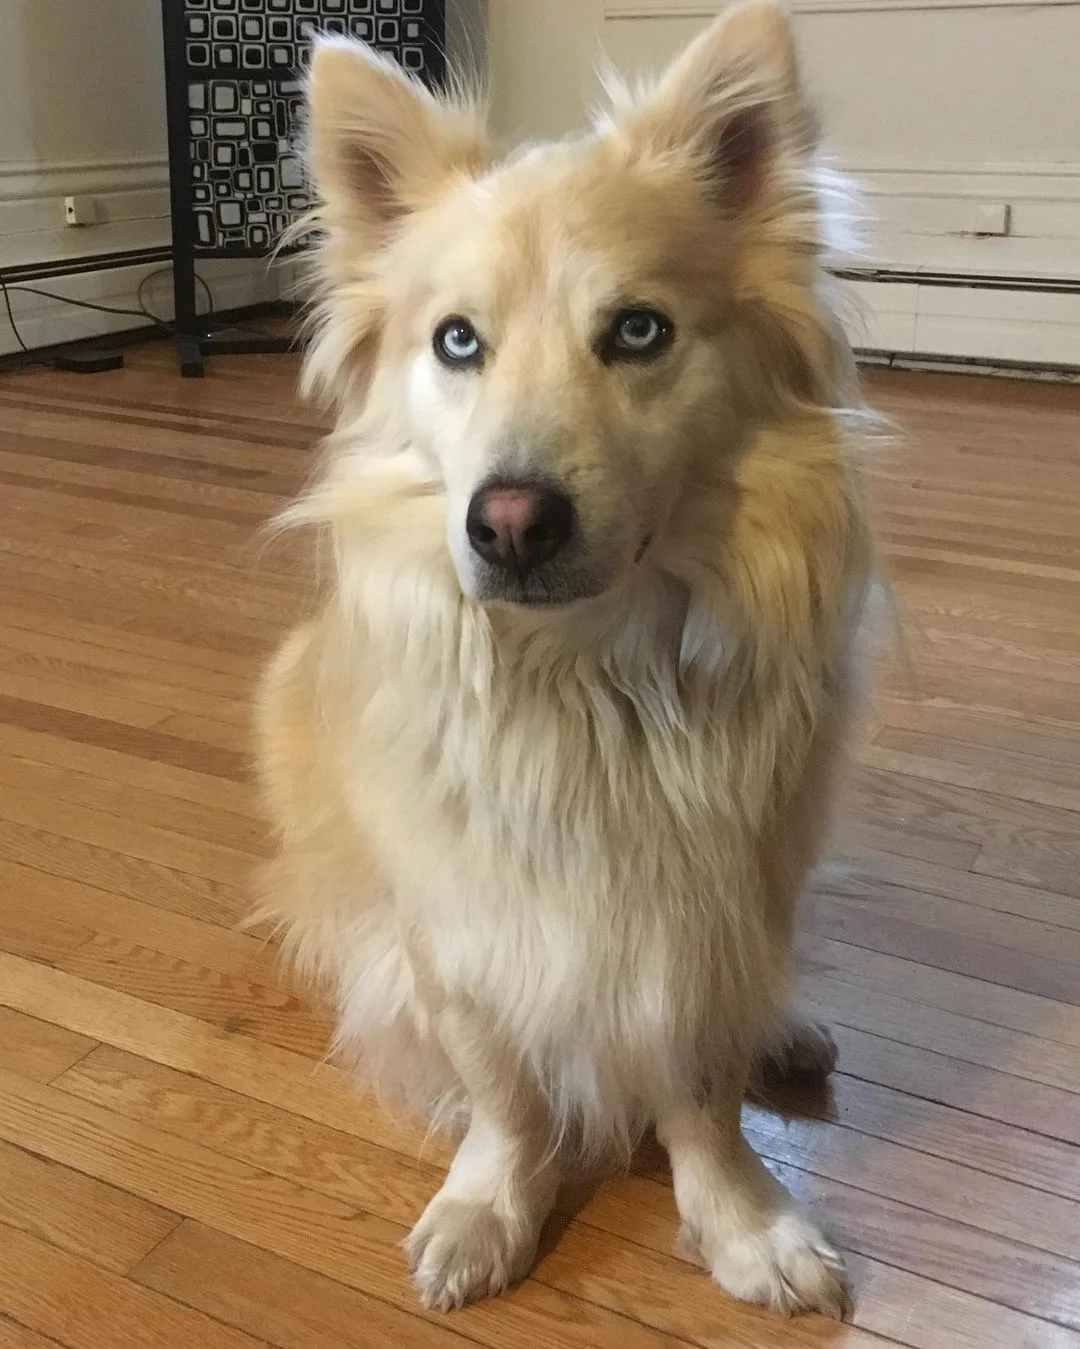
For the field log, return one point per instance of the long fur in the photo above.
(589, 824)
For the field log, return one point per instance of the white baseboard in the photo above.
(43, 322)
(967, 322)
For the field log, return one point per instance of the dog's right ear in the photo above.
(381, 144)
(730, 105)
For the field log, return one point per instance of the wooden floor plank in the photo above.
(83, 658)
(987, 1093)
(112, 770)
(143, 842)
(975, 925)
(217, 902)
(862, 870)
(105, 733)
(14, 1336)
(112, 917)
(945, 989)
(146, 806)
(180, 656)
(230, 999)
(944, 1033)
(879, 927)
(82, 1306)
(278, 1300)
(38, 1049)
(76, 1213)
(1020, 777)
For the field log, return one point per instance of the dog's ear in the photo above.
(731, 105)
(380, 143)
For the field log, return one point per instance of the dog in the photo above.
(550, 763)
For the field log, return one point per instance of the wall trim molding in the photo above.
(131, 196)
(1032, 182)
(35, 179)
(702, 9)
(967, 168)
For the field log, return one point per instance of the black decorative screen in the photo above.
(235, 65)
(247, 181)
(234, 85)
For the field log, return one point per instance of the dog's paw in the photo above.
(804, 1051)
(462, 1250)
(786, 1266)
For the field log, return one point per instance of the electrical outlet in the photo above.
(991, 218)
(80, 210)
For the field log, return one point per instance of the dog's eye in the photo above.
(637, 335)
(457, 342)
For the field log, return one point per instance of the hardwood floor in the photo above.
(177, 1166)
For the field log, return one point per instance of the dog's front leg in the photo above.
(479, 1234)
(738, 1220)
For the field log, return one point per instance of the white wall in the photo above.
(82, 112)
(937, 106)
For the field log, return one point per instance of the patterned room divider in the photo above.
(234, 87)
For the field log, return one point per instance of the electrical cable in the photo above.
(11, 316)
(143, 310)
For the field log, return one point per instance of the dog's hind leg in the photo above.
(478, 1236)
(738, 1220)
(800, 1051)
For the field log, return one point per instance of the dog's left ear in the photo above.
(730, 105)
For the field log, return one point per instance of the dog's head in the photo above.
(551, 341)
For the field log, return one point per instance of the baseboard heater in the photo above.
(967, 365)
(1046, 285)
(970, 365)
(90, 262)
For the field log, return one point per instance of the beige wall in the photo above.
(80, 80)
(543, 56)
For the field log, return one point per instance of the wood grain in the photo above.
(178, 1166)
(81, 1305)
(214, 902)
(247, 1287)
(14, 1336)
(67, 1209)
(38, 1049)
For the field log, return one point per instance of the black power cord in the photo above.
(97, 360)
(11, 316)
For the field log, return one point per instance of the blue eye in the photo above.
(637, 335)
(457, 342)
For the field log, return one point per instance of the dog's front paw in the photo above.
(785, 1265)
(463, 1249)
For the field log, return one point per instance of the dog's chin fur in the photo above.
(546, 857)
(540, 593)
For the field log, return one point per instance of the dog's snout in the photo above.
(519, 525)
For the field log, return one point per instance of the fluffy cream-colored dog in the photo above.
(550, 764)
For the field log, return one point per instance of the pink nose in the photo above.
(519, 525)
